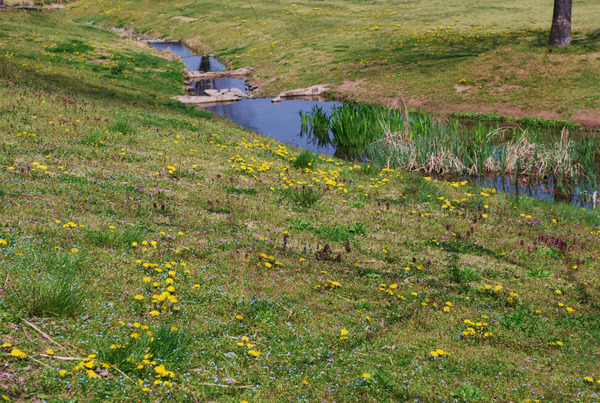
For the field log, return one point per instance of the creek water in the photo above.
(282, 122)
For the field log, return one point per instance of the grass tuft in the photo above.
(52, 285)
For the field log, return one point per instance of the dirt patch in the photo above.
(357, 87)
(587, 118)
(54, 6)
(465, 88)
(505, 88)
(184, 19)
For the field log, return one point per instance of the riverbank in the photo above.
(450, 58)
(149, 251)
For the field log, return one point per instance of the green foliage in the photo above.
(115, 237)
(236, 190)
(123, 126)
(72, 46)
(304, 196)
(94, 136)
(170, 346)
(466, 393)
(52, 285)
(357, 228)
(305, 159)
(165, 345)
(334, 233)
(431, 145)
(370, 169)
(539, 273)
(299, 224)
(464, 276)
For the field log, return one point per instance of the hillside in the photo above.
(152, 251)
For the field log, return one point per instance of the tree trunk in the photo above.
(560, 33)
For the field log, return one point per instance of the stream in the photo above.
(282, 122)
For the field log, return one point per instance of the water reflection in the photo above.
(547, 189)
(192, 63)
(176, 48)
(280, 121)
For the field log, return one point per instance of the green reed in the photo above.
(433, 146)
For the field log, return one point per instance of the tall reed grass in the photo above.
(429, 145)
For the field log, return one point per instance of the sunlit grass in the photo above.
(169, 262)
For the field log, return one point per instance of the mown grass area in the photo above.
(451, 56)
(149, 252)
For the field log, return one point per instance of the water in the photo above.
(201, 63)
(281, 121)
(174, 47)
(539, 189)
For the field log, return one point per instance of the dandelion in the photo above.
(139, 297)
(18, 353)
(366, 376)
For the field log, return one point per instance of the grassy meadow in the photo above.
(150, 251)
(449, 56)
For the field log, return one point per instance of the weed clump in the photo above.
(122, 126)
(305, 159)
(52, 285)
(304, 196)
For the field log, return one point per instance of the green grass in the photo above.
(305, 159)
(177, 245)
(451, 57)
(304, 196)
(52, 284)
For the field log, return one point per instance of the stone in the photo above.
(209, 75)
(306, 92)
(209, 99)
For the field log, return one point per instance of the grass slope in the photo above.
(150, 252)
(453, 56)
